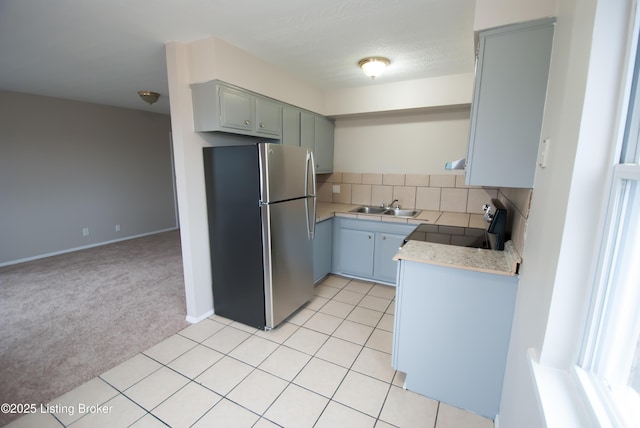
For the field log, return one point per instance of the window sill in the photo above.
(558, 395)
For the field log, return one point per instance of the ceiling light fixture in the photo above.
(374, 66)
(149, 97)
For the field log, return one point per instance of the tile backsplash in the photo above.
(436, 192)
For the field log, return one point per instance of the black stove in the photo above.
(451, 235)
(491, 238)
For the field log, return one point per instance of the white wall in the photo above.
(581, 114)
(213, 58)
(66, 165)
(440, 91)
(412, 142)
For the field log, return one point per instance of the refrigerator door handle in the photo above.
(311, 219)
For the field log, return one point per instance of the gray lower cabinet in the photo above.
(387, 245)
(508, 104)
(356, 251)
(451, 333)
(365, 249)
(322, 249)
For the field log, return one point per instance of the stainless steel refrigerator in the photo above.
(261, 208)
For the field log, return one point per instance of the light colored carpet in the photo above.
(68, 318)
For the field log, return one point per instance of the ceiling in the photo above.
(105, 51)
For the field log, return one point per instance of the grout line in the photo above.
(435, 422)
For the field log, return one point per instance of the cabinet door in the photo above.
(453, 321)
(290, 126)
(323, 150)
(322, 248)
(236, 109)
(356, 252)
(387, 245)
(508, 103)
(268, 116)
(307, 131)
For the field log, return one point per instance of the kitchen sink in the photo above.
(396, 212)
(401, 213)
(369, 210)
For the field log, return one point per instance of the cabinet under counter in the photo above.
(452, 329)
(365, 249)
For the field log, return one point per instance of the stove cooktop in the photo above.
(451, 235)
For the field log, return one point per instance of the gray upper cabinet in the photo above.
(268, 116)
(311, 131)
(307, 130)
(236, 109)
(508, 103)
(291, 126)
(218, 106)
(323, 144)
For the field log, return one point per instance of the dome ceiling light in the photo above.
(149, 97)
(374, 66)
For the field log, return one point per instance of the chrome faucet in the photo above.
(393, 202)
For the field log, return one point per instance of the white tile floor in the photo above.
(329, 365)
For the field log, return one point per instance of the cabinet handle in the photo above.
(261, 125)
(369, 236)
(384, 238)
(246, 122)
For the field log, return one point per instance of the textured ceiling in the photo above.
(103, 52)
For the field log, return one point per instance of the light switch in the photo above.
(544, 150)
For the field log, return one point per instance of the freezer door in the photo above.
(235, 233)
(283, 172)
(288, 259)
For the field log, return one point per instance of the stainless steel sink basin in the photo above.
(369, 210)
(401, 213)
(396, 212)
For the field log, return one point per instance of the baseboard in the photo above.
(361, 278)
(85, 247)
(195, 320)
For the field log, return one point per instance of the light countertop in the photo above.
(498, 262)
(327, 210)
(478, 259)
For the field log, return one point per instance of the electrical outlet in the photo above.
(85, 231)
(117, 228)
(336, 188)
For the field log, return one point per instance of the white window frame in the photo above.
(607, 355)
(566, 395)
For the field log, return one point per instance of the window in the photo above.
(609, 362)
